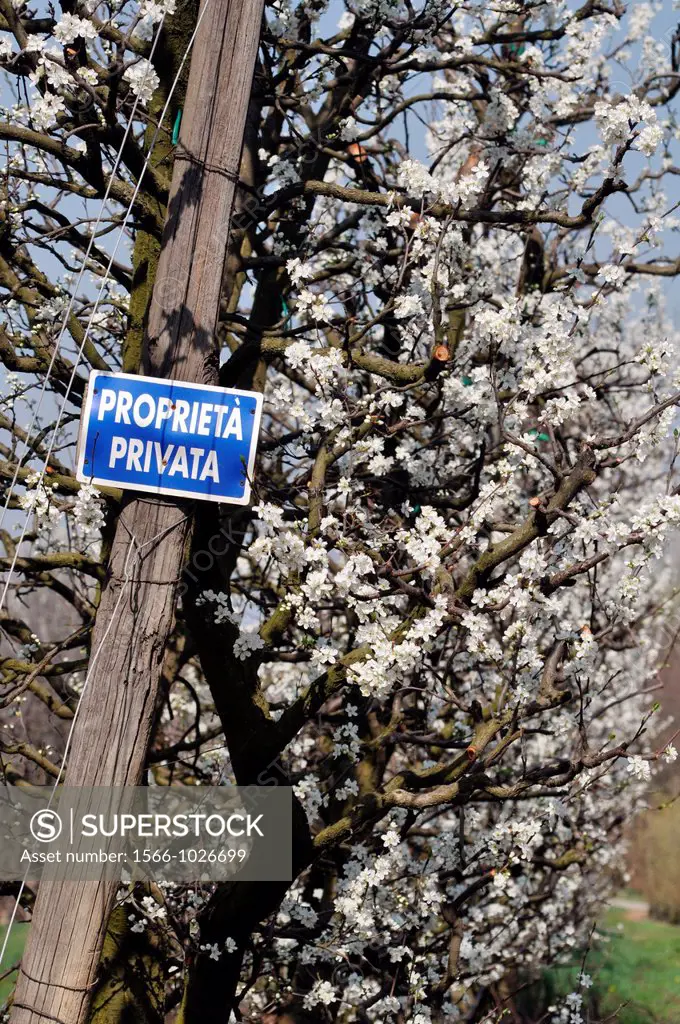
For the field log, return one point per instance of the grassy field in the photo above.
(12, 954)
(640, 966)
(635, 972)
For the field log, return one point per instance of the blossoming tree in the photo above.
(442, 618)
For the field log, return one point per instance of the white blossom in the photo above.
(322, 992)
(70, 27)
(142, 79)
(88, 510)
(639, 768)
(246, 643)
(46, 109)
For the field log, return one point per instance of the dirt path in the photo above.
(636, 910)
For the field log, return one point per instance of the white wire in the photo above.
(43, 390)
(70, 384)
(93, 661)
(76, 286)
(14, 914)
(63, 761)
(96, 305)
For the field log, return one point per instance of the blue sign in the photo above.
(168, 437)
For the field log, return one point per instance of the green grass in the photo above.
(639, 966)
(13, 952)
(635, 968)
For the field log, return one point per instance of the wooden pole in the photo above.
(136, 613)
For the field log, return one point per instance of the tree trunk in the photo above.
(152, 535)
